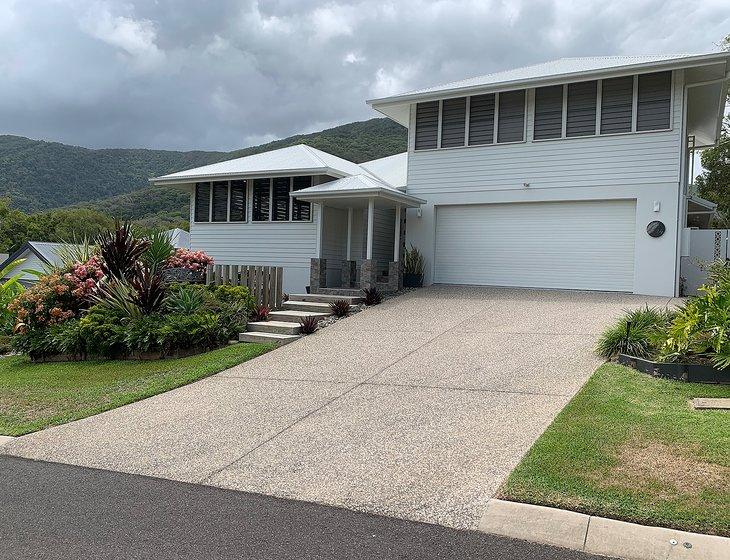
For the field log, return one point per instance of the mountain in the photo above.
(39, 175)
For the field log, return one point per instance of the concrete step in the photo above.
(275, 327)
(352, 298)
(268, 338)
(314, 306)
(295, 316)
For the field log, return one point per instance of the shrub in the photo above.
(645, 335)
(413, 262)
(49, 302)
(9, 290)
(185, 298)
(190, 331)
(373, 296)
(190, 260)
(228, 293)
(104, 331)
(701, 327)
(309, 324)
(340, 308)
(142, 334)
(260, 313)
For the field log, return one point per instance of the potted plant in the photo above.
(413, 266)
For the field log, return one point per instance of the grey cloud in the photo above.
(186, 74)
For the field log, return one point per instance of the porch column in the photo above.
(371, 211)
(396, 249)
(349, 234)
(320, 227)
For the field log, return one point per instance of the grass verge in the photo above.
(630, 447)
(36, 396)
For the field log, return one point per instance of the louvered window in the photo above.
(654, 101)
(220, 201)
(261, 200)
(453, 122)
(617, 100)
(280, 211)
(481, 120)
(511, 116)
(548, 112)
(427, 124)
(202, 202)
(237, 211)
(581, 115)
(301, 210)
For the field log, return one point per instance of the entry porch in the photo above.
(360, 237)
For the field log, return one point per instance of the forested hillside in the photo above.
(37, 175)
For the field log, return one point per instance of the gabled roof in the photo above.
(554, 70)
(357, 186)
(392, 169)
(48, 252)
(299, 159)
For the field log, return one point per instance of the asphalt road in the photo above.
(50, 510)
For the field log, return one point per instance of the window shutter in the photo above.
(511, 120)
(281, 199)
(220, 201)
(617, 98)
(427, 125)
(453, 122)
(548, 112)
(302, 211)
(238, 201)
(481, 120)
(581, 118)
(202, 202)
(260, 203)
(654, 102)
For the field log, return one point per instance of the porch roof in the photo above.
(355, 191)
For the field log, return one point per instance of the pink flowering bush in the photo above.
(56, 297)
(191, 260)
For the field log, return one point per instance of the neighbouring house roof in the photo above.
(357, 187)
(179, 238)
(554, 70)
(392, 169)
(48, 252)
(299, 159)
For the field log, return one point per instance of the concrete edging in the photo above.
(598, 535)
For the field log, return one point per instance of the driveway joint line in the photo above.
(208, 478)
(473, 389)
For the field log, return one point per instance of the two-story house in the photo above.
(568, 174)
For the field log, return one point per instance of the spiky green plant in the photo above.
(413, 261)
(159, 250)
(645, 335)
(9, 290)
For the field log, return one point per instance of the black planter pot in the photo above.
(692, 373)
(411, 280)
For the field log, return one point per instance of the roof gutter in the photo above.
(360, 193)
(673, 64)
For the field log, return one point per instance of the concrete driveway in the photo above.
(417, 408)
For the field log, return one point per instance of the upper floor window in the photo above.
(617, 104)
(261, 202)
(280, 190)
(481, 119)
(581, 108)
(654, 99)
(453, 122)
(511, 116)
(301, 210)
(201, 211)
(427, 125)
(548, 112)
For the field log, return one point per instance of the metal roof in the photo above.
(300, 158)
(563, 67)
(392, 169)
(357, 186)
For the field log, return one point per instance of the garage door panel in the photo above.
(576, 245)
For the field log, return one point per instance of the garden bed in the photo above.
(691, 373)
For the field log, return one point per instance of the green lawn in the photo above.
(630, 447)
(35, 396)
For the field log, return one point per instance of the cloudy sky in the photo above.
(224, 74)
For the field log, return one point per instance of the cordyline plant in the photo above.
(121, 252)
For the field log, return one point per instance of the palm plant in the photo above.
(9, 290)
(160, 249)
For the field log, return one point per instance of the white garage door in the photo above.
(576, 245)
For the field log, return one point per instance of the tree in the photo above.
(714, 183)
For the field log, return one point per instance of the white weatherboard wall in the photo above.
(644, 167)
